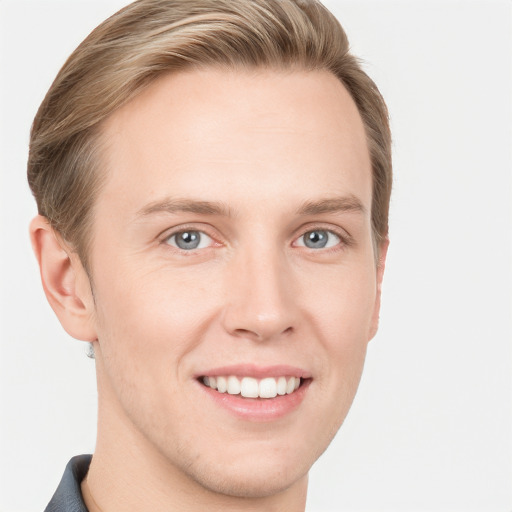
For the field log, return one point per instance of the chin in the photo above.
(252, 470)
(252, 483)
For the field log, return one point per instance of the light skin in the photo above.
(258, 165)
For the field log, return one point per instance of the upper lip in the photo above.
(256, 371)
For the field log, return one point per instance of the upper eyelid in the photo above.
(343, 234)
(182, 228)
(176, 233)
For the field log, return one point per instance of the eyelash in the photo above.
(345, 240)
(188, 229)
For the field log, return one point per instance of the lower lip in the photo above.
(259, 409)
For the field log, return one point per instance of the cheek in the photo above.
(146, 329)
(148, 323)
(159, 302)
(342, 315)
(342, 304)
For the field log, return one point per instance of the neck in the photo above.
(90, 502)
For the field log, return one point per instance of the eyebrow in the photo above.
(176, 205)
(332, 205)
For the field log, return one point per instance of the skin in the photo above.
(263, 143)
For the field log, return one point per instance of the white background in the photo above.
(431, 426)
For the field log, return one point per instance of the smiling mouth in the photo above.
(250, 387)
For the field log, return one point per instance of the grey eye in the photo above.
(190, 240)
(318, 239)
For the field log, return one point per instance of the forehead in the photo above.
(237, 135)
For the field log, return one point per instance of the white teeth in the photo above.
(233, 386)
(222, 384)
(268, 388)
(249, 387)
(281, 386)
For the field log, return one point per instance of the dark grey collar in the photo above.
(68, 496)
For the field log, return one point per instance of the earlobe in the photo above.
(64, 281)
(381, 265)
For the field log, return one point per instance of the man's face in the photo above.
(232, 240)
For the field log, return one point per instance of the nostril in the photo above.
(260, 334)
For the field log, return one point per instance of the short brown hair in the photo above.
(148, 38)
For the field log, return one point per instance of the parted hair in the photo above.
(149, 38)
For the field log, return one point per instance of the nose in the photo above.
(260, 299)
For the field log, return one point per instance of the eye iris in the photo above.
(188, 240)
(316, 239)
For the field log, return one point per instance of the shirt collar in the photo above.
(68, 496)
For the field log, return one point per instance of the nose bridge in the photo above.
(260, 302)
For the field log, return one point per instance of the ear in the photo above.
(64, 280)
(381, 265)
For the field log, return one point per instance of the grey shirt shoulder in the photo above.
(68, 496)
